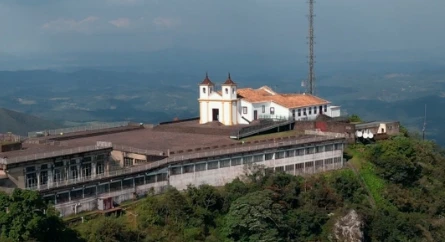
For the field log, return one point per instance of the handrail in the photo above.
(77, 129)
(179, 158)
(44, 155)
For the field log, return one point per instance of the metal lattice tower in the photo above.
(311, 37)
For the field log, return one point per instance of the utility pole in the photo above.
(424, 125)
(311, 77)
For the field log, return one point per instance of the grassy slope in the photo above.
(373, 183)
(20, 123)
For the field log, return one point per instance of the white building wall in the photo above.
(203, 112)
(249, 115)
(279, 111)
(334, 111)
(221, 176)
(235, 112)
(227, 111)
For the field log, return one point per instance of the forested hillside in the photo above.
(389, 191)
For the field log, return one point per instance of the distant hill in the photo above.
(20, 123)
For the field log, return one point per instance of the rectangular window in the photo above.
(224, 163)
(279, 155)
(151, 179)
(73, 172)
(86, 170)
(258, 158)
(200, 167)
(244, 110)
(299, 112)
(31, 180)
(290, 153)
(279, 169)
(268, 156)
(138, 161)
(338, 146)
(128, 161)
(212, 165)
(289, 168)
(309, 150)
(299, 152)
(325, 108)
(236, 161)
(304, 111)
(59, 175)
(175, 170)
(189, 169)
(310, 110)
(328, 148)
(263, 108)
(247, 159)
(293, 113)
(272, 110)
(318, 149)
(100, 168)
(315, 110)
(43, 177)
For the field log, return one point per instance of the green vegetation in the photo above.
(396, 187)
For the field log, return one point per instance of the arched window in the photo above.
(203, 90)
(233, 90)
(227, 90)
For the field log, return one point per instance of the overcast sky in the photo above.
(57, 26)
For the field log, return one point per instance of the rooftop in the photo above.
(374, 124)
(162, 138)
(266, 94)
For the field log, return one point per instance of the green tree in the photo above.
(107, 229)
(354, 118)
(256, 217)
(397, 160)
(24, 216)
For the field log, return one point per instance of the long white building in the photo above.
(232, 106)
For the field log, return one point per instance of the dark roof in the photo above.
(229, 81)
(207, 81)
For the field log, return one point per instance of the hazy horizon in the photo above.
(49, 27)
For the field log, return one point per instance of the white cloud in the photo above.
(166, 23)
(66, 25)
(120, 22)
(26, 101)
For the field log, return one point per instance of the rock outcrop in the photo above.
(349, 228)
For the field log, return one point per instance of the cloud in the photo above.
(166, 23)
(26, 101)
(120, 22)
(66, 25)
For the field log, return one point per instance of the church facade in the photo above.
(233, 106)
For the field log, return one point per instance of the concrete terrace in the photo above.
(174, 137)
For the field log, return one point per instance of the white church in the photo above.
(233, 106)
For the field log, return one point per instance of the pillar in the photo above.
(38, 179)
(93, 169)
(50, 177)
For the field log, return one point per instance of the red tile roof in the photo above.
(266, 94)
(229, 81)
(207, 81)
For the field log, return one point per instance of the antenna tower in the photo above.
(311, 77)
